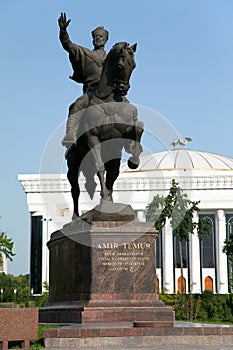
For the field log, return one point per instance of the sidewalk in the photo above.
(167, 347)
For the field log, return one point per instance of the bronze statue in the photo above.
(87, 68)
(108, 124)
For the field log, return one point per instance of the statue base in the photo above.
(109, 211)
(104, 273)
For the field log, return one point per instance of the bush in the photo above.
(206, 307)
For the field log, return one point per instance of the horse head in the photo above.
(117, 70)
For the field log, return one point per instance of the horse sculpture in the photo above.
(107, 126)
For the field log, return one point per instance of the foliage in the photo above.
(177, 207)
(153, 210)
(205, 307)
(6, 247)
(166, 204)
(228, 250)
(20, 283)
(41, 300)
(22, 297)
(228, 247)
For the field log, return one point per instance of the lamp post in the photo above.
(15, 291)
(32, 293)
(1, 294)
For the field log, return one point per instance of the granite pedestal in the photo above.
(104, 273)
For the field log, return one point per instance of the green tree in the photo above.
(6, 247)
(9, 283)
(228, 247)
(228, 250)
(177, 207)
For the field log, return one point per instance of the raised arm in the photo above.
(63, 23)
(63, 36)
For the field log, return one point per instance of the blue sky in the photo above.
(184, 71)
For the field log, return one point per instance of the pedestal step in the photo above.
(123, 335)
(99, 314)
(128, 314)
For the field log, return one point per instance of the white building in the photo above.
(3, 268)
(203, 176)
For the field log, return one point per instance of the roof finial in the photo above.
(181, 142)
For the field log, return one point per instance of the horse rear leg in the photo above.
(95, 147)
(112, 172)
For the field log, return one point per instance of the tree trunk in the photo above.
(181, 267)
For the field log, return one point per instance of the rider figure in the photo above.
(87, 67)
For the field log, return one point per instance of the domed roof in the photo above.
(182, 159)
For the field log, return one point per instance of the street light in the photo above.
(1, 294)
(15, 291)
(32, 293)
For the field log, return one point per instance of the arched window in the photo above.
(209, 284)
(207, 245)
(157, 285)
(179, 282)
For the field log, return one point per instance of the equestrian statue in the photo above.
(104, 123)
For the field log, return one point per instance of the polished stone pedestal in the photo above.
(104, 273)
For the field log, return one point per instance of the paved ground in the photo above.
(168, 347)
(191, 324)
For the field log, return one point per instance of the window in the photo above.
(159, 251)
(209, 284)
(179, 283)
(207, 245)
(157, 285)
(177, 253)
(229, 231)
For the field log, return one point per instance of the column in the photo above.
(194, 261)
(45, 254)
(168, 268)
(141, 215)
(222, 280)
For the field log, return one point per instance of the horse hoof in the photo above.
(133, 163)
(75, 217)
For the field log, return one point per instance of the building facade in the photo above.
(3, 268)
(203, 176)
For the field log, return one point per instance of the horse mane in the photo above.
(107, 79)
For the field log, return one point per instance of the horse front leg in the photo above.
(95, 147)
(136, 148)
(73, 163)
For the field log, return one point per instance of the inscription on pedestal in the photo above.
(123, 263)
(127, 257)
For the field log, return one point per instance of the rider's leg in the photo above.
(76, 111)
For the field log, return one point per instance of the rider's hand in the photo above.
(63, 23)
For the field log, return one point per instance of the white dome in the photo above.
(182, 159)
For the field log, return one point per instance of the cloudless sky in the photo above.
(184, 72)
